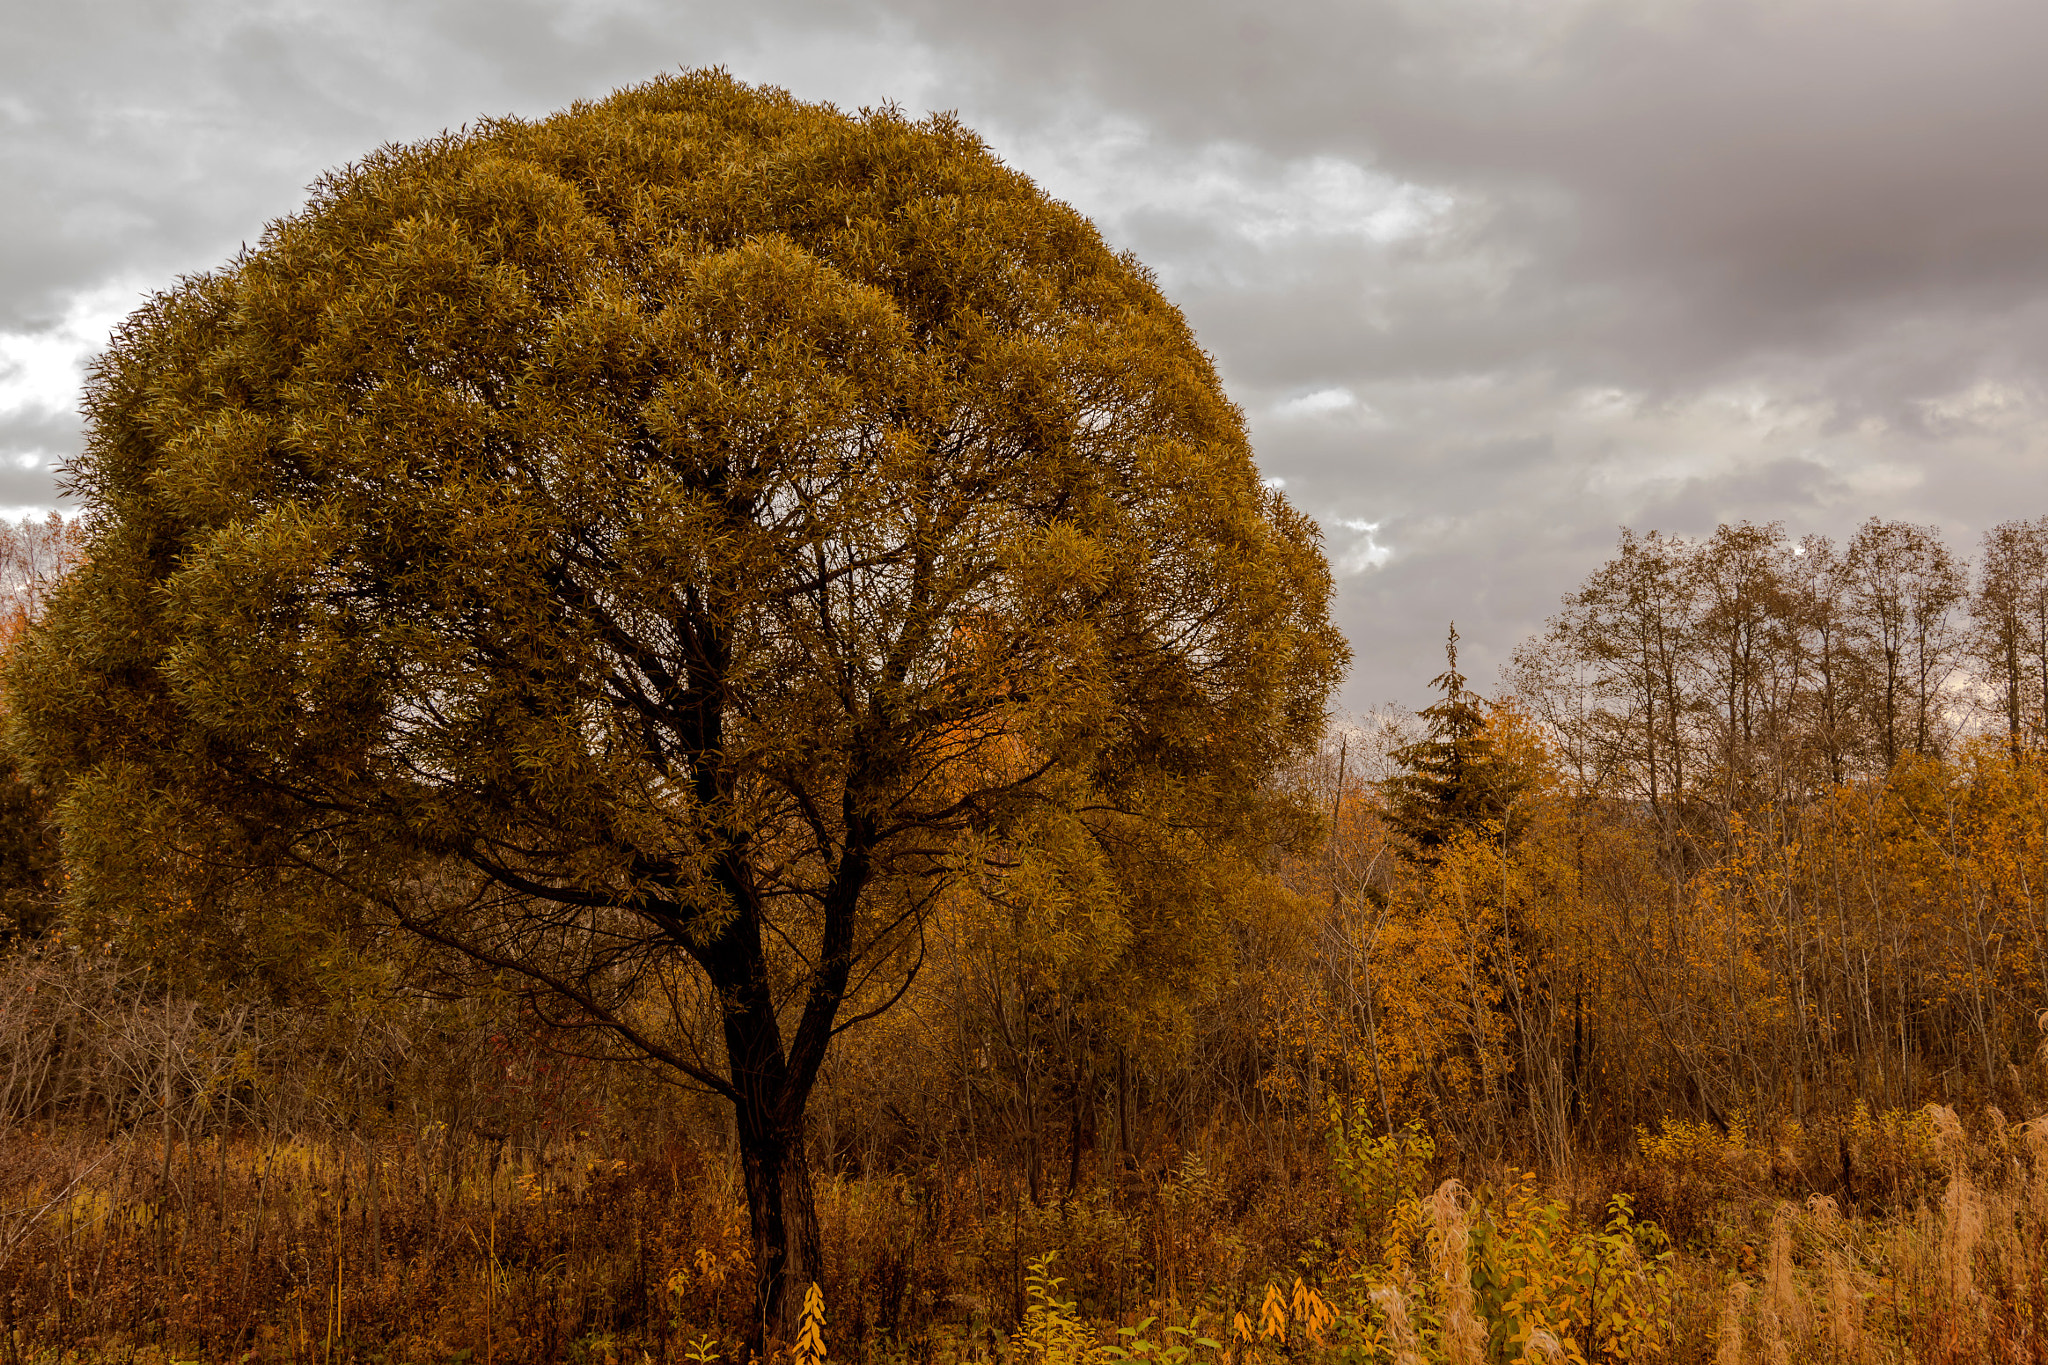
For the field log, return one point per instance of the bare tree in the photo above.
(1904, 587)
(34, 555)
(2011, 611)
(1747, 638)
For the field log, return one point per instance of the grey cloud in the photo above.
(39, 436)
(161, 133)
(1710, 179)
(1676, 261)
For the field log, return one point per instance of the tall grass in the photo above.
(184, 1180)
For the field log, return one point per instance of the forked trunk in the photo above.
(785, 1224)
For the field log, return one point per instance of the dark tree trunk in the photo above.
(768, 1102)
(785, 1225)
(770, 1084)
(1077, 1114)
(768, 1099)
(1126, 1147)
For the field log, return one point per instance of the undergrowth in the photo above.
(258, 1247)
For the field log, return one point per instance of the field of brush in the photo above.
(196, 1200)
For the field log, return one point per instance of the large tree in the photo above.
(670, 542)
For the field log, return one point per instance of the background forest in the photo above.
(1685, 1001)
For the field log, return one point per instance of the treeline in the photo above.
(1746, 668)
(1755, 834)
(1756, 829)
(34, 555)
(1758, 833)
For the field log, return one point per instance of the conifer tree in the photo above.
(1452, 781)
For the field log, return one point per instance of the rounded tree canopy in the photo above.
(697, 527)
(692, 504)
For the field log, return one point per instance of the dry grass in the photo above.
(252, 1246)
(181, 1181)
(271, 1247)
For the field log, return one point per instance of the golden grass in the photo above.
(611, 1248)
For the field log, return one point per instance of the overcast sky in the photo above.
(1490, 278)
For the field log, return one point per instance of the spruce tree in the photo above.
(1453, 781)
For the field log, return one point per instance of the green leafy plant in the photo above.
(1377, 1173)
(1603, 1294)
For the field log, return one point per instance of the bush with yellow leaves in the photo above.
(1602, 1293)
(1053, 1332)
